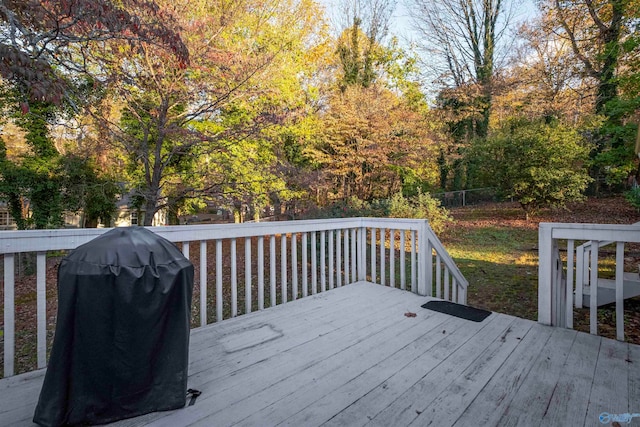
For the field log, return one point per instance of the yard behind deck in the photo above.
(350, 356)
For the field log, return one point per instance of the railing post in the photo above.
(545, 274)
(426, 261)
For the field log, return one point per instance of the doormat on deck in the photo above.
(458, 310)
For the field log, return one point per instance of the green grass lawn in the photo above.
(500, 264)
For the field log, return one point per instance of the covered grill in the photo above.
(122, 335)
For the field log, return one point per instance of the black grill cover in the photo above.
(122, 337)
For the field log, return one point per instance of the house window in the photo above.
(4, 218)
(134, 218)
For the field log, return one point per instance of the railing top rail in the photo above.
(600, 232)
(60, 239)
(586, 245)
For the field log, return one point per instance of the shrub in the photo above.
(422, 206)
(633, 197)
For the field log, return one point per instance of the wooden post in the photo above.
(426, 261)
(545, 279)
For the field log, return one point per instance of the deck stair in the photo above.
(607, 290)
(606, 287)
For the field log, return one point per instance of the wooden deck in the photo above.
(351, 357)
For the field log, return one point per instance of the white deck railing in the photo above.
(313, 256)
(560, 286)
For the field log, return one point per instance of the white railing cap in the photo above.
(61, 239)
(600, 232)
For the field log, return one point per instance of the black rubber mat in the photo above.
(458, 310)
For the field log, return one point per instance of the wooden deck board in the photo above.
(633, 366)
(531, 401)
(351, 357)
(570, 399)
(489, 405)
(448, 362)
(453, 401)
(610, 389)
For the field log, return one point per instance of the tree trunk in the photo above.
(149, 212)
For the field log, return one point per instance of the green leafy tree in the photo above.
(87, 192)
(32, 184)
(603, 36)
(39, 183)
(537, 164)
(175, 122)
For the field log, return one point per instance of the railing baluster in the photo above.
(314, 264)
(247, 275)
(185, 249)
(580, 262)
(354, 259)
(234, 280)
(438, 276)
(454, 289)
(403, 267)
(383, 256)
(428, 269)
(272, 270)
(219, 297)
(41, 297)
(620, 291)
(593, 309)
(374, 237)
(283, 267)
(261, 273)
(323, 266)
(346, 257)
(414, 287)
(9, 314)
(294, 267)
(446, 283)
(569, 289)
(331, 257)
(203, 283)
(462, 296)
(305, 268)
(338, 258)
(392, 258)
